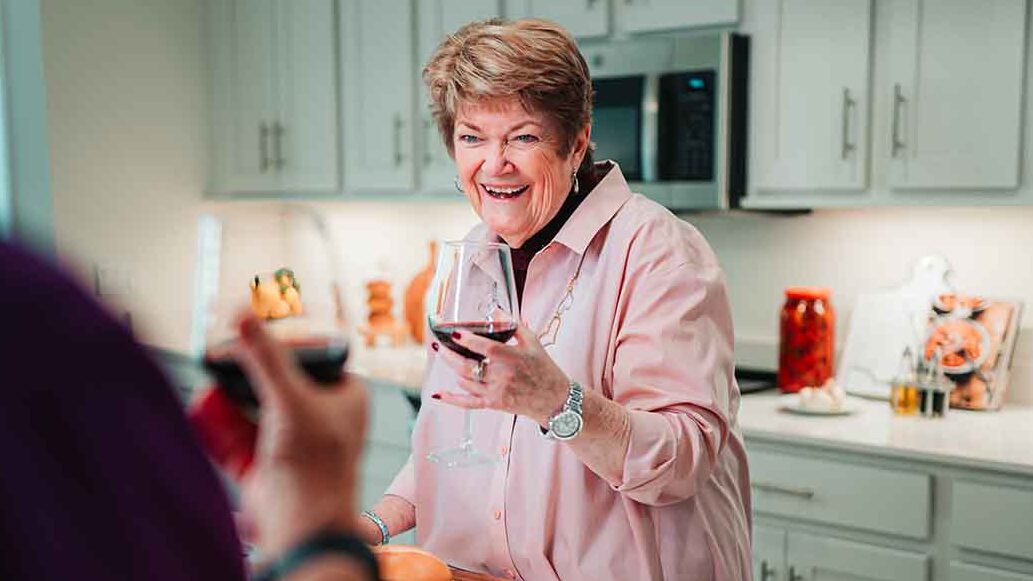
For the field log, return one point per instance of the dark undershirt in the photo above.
(522, 256)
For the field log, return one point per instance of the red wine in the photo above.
(322, 362)
(500, 331)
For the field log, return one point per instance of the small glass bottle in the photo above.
(934, 389)
(903, 389)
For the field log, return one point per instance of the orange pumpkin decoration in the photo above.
(406, 563)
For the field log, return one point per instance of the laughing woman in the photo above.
(624, 308)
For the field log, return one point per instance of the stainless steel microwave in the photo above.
(672, 113)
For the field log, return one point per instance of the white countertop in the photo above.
(1001, 440)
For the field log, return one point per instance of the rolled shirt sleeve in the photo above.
(673, 368)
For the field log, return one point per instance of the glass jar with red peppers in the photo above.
(806, 339)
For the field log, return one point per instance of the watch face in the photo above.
(566, 425)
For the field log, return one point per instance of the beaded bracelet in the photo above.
(316, 546)
(385, 535)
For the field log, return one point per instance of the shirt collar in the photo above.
(595, 211)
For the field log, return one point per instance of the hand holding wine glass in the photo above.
(473, 291)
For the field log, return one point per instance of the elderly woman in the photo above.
(624, 307)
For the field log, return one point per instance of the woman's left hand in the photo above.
(521, 379)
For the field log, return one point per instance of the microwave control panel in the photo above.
(686, 137)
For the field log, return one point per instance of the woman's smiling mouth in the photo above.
(504, 192)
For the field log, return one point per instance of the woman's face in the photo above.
(511, 168)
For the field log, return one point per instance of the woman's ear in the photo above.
(581, 141)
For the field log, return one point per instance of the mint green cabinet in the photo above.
(274, 96)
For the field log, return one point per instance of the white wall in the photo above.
(127, 111)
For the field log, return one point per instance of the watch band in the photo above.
(575, 397)
(385, 535)
(315, 546)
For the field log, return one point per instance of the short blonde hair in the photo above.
(536, 61)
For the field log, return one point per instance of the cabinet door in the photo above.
(812, 558)
(810, 69)
(769, 553)
(957, 85)
(305, 133)
(438, 18)
(242, 34)
(379, 79)
(583, 18)
(650, 15)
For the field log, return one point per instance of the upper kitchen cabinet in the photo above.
(902, 102)
(583, 18)
(274, 94)
(436, 19)
(954, 96)
(379, 80)
(809, 87)
(656, 15)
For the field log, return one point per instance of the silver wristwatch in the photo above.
(567, 424)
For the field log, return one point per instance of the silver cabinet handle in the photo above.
(766, 571)
(793, 576)
(428, 126)
(398, 125)
(805, 493)
(278, 131)
(263, 147)
(848, 107)
(898, 103)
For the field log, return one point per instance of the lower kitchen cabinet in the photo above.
(387, 446)
(823, 513)
(780, 554)
(814, 558)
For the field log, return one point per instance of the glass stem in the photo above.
(467, 443)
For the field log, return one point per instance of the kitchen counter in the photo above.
(1001, 440)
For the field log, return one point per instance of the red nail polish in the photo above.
(435, 395)
(435, 346)
(455, 334)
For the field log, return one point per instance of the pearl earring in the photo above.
(577, 186)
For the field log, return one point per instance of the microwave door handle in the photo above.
(650, 118)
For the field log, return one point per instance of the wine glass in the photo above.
(473, 290)
(280, 263)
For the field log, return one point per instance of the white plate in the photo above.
(791, 403)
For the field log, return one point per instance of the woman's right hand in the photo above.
(309, 442)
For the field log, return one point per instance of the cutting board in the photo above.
(884, 323)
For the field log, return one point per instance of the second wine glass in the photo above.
(473, 291)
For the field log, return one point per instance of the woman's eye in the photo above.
(466, 138)
(526, 138)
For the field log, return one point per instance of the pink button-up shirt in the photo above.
(650, 328)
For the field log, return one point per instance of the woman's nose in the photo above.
(495, 161)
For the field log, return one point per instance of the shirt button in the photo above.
(510, 573)
(498, 515)
(503, 450)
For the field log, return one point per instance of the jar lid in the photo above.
(808, 293)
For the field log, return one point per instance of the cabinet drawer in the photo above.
(996, 519)
(965, 572)
(844, 494)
